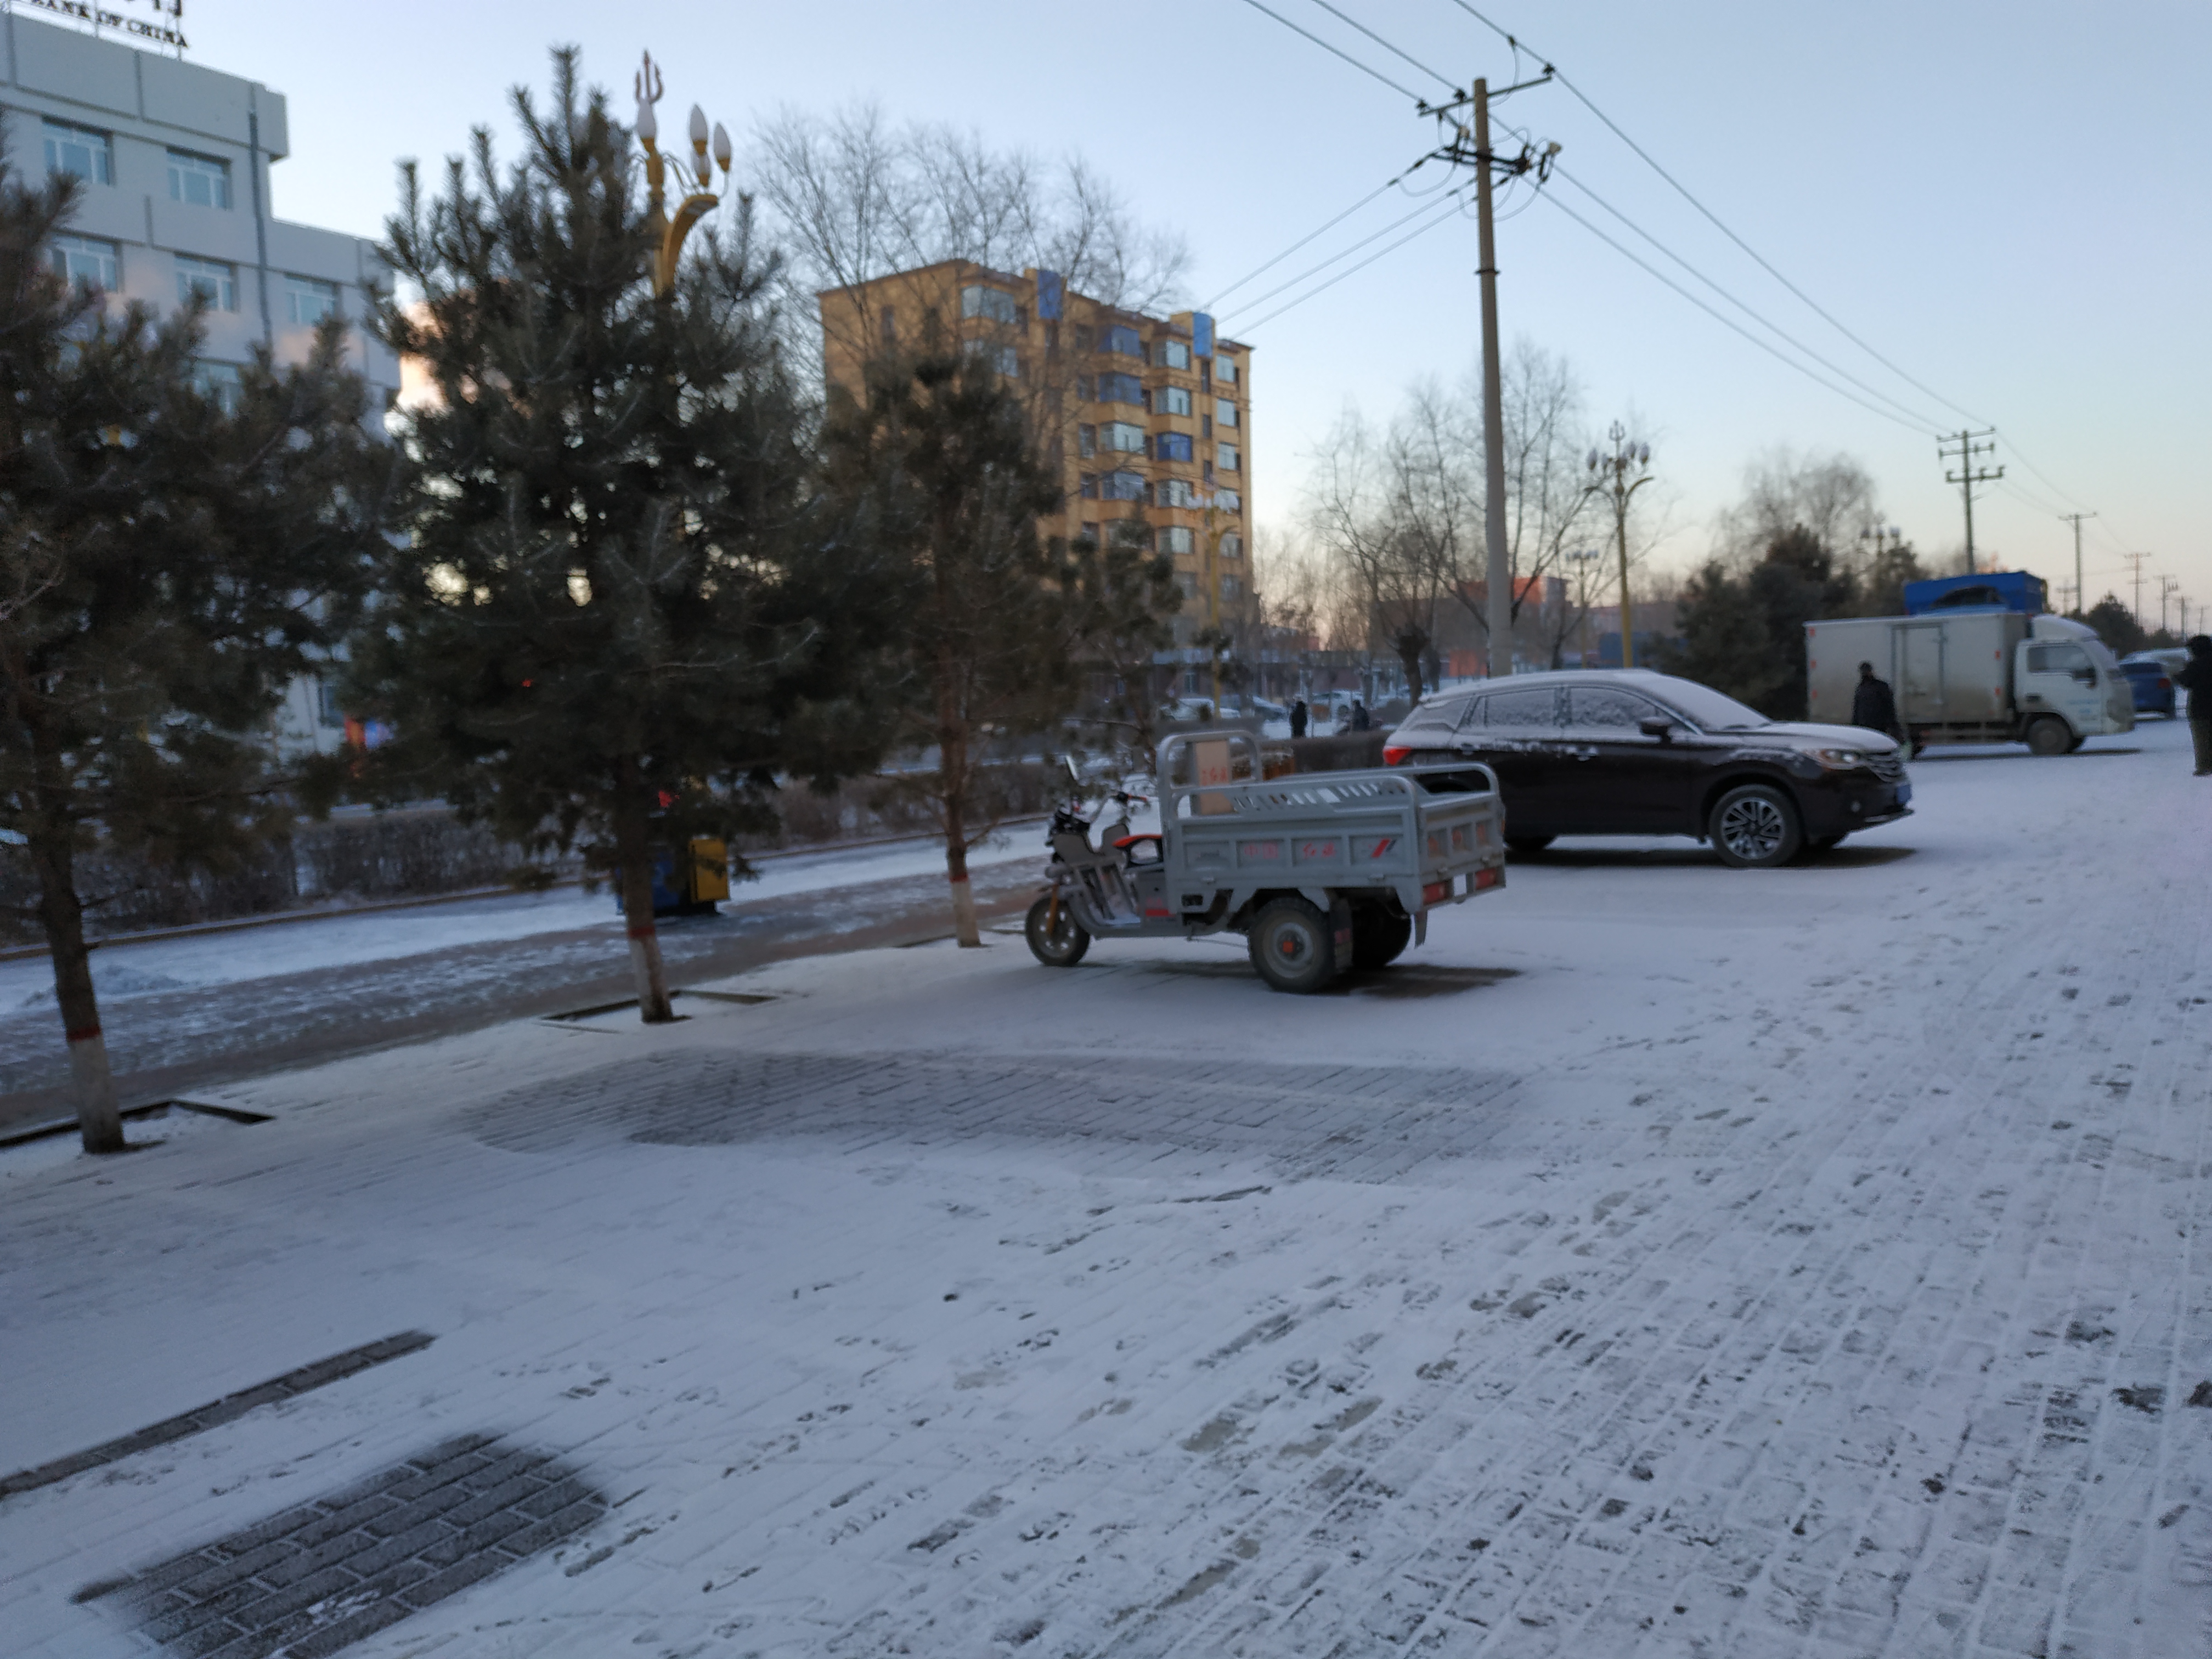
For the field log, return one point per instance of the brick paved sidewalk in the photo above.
(1800, 1265)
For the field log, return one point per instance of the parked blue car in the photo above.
(2152, 685)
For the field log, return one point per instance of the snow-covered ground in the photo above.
(1664, 1260)
(141, 968)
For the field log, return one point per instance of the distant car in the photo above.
(2152, 681)
(1629, 752)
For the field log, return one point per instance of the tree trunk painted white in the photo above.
(99, 1119)
(963, 912)
(634, 852)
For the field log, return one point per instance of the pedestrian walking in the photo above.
(1298, 717)
(1362, 722)
(1874, 706)
(2196, 678)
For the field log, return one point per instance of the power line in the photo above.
(1385, 44)
(1339, 50)
(1440, 219)
(1428, 207)
(1727, 321)
(1924, 422)
(1302, 240)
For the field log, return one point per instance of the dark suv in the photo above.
(1629, 752)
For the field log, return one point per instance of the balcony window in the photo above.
(1224, 369)
(1224, 412)
(1178, 492)
(1124, 436)
(218, 282)
(1231, 547)
(1090, 530)
(84, 259)
(1172, 400)
(1005, 359)
(307, 302)
(1122, 339)
(1172, 354)
(1122, 486)
(1172, 446)
(1228, 501)
(1188, 581)
(218, 382)
(1225, 457)
(199, 180)
(1231, 587)
(80, 150)
(1086, 389)
(1090, 486)
(1174, 539)
(1086, 439)
(1121, 389)
(994, 304)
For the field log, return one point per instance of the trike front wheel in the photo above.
(1057, 939)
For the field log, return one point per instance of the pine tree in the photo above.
(167, 567)
(936, 460)
(620, 614)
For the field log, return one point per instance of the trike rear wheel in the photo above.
(1291, 945)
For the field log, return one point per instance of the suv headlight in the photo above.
(1841, 760)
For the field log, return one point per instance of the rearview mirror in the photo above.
(1656, 725)
(1073, 776)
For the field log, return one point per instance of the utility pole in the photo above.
(2080, 599)
(2135, 561)
(1498, 612)
(2165, 587)
(1968, 475)
(1581, 558)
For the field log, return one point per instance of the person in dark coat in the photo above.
(1298, 717)
(2196, 678)
(1361, 722)
(1874, 706)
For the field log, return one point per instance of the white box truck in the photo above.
(1982, 675)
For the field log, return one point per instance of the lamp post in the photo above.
(696, 204)
(1609, 476)
(1583, 558)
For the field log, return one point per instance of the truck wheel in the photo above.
(1528, 843)
(1378, 936)
(1063, 944)
(1291, 947)
(2049, 735)
(1754, 827)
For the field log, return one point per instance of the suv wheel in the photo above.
(1291, 945)
(2050, 735)
(1754, 827)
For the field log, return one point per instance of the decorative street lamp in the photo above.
(1609, 476)
(695, 205)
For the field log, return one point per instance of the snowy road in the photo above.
(184, 1013)
(1665, 1261)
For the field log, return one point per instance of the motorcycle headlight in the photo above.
(1840, 760)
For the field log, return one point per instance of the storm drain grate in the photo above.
(317, 1578)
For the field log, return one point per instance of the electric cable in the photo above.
(1339, 50)
(1728, 322)
(1440, 219)
(1302, 240)
(1426, 207)
(1385, 46)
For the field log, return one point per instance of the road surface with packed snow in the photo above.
(1664, 1260)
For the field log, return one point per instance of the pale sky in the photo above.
(2005, 200)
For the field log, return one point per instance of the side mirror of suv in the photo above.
(1656, 725)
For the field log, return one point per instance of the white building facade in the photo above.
(175, 161)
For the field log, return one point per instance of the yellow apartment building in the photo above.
(1146, 419)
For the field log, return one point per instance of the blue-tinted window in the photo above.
(1173, 400)
(88, 154)
(1122, 486)
(1121, 389)
(1172, 446)
(1123, 339)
